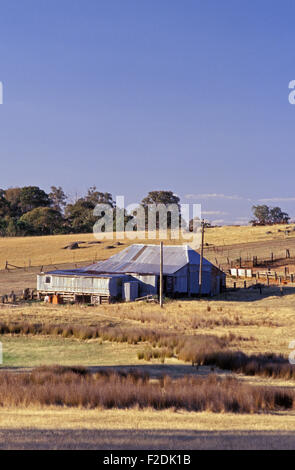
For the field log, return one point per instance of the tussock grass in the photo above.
(76, 387)
(127, 334)
(198, 349)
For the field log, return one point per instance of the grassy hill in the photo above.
(48, 250)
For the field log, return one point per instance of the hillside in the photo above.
(48, 250)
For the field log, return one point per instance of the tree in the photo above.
(58, 198)
(278, 216)
(261, 214)
(32, 197)
(166, 198)
(79, 216)
(43, 221)
(3, 226)
(96, 197)
(161, 197)
(4, 204)
(10, 227)
(265, 215)
(12, 195)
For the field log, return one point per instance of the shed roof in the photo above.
(144, 259)
(79, 273)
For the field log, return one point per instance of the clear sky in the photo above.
(139, 95)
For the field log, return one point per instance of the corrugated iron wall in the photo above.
(147, 284)
(82, 284)
(79, 285)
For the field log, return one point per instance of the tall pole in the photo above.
(201, 258)
(161, 274)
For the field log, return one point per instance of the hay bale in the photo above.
(72, 246)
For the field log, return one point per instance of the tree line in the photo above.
(265, 215)
(29, 210)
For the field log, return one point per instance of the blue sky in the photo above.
(137, 95)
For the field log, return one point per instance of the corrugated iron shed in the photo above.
(79, 273)
(144, 259)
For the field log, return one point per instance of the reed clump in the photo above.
(78, 387)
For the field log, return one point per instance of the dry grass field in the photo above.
(48, 250)
(231, 235)
(258, 324)
(252, 323)
(60, 428)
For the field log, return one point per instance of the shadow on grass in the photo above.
(162, 439)
(252, 294)
(155, 371)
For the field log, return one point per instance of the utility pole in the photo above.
(161, 274)
(201, 258)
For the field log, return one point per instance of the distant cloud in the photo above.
(277, 199)
(214, 213)
(235, 197)
(218, 222)
(216, 196)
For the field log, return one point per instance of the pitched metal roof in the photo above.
(144, 259)
(79, 273)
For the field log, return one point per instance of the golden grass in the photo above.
(47, 250)
(260, 326)
(267, 323)
(230, 235)
(75, 418)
